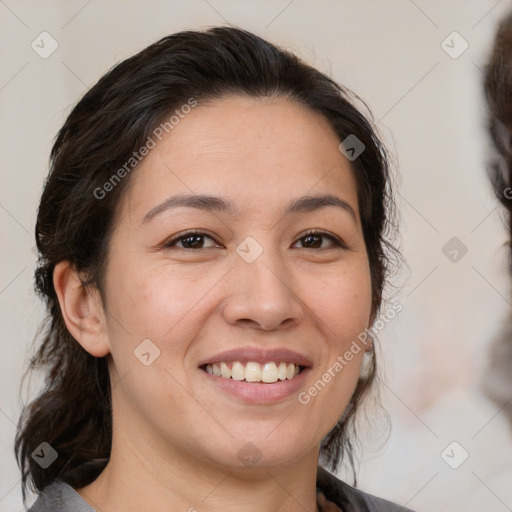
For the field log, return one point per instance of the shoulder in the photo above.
(351, 499)
(60, 497)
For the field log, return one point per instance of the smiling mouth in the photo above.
(251, 371)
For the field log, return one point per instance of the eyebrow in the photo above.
(216, 204)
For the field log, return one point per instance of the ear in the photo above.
(82, 310)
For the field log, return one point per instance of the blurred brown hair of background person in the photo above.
(497, 382)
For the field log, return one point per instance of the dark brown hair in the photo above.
(112, 121)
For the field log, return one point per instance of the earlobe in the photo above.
(369, 346)
(82, 310)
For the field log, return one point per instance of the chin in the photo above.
(263, 450)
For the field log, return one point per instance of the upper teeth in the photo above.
(254, 372)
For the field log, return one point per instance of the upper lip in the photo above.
(258, 355)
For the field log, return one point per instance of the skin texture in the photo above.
(175, 435)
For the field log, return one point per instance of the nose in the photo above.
(262, 294)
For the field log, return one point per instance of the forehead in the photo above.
(255, 151)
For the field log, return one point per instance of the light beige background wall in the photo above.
(429, 109)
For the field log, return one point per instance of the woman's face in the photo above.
(249, 290)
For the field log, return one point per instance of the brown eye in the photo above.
(191, 240)
(314, 240)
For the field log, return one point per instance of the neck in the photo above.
(141, 476)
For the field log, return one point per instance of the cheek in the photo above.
(154, 315)
(341, 300)
(160, 304)
(342, 304)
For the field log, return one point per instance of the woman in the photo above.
(212, 254)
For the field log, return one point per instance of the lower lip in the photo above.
(259, 392)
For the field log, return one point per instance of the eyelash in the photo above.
(170, 243)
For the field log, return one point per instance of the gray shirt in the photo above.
(61, 497)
